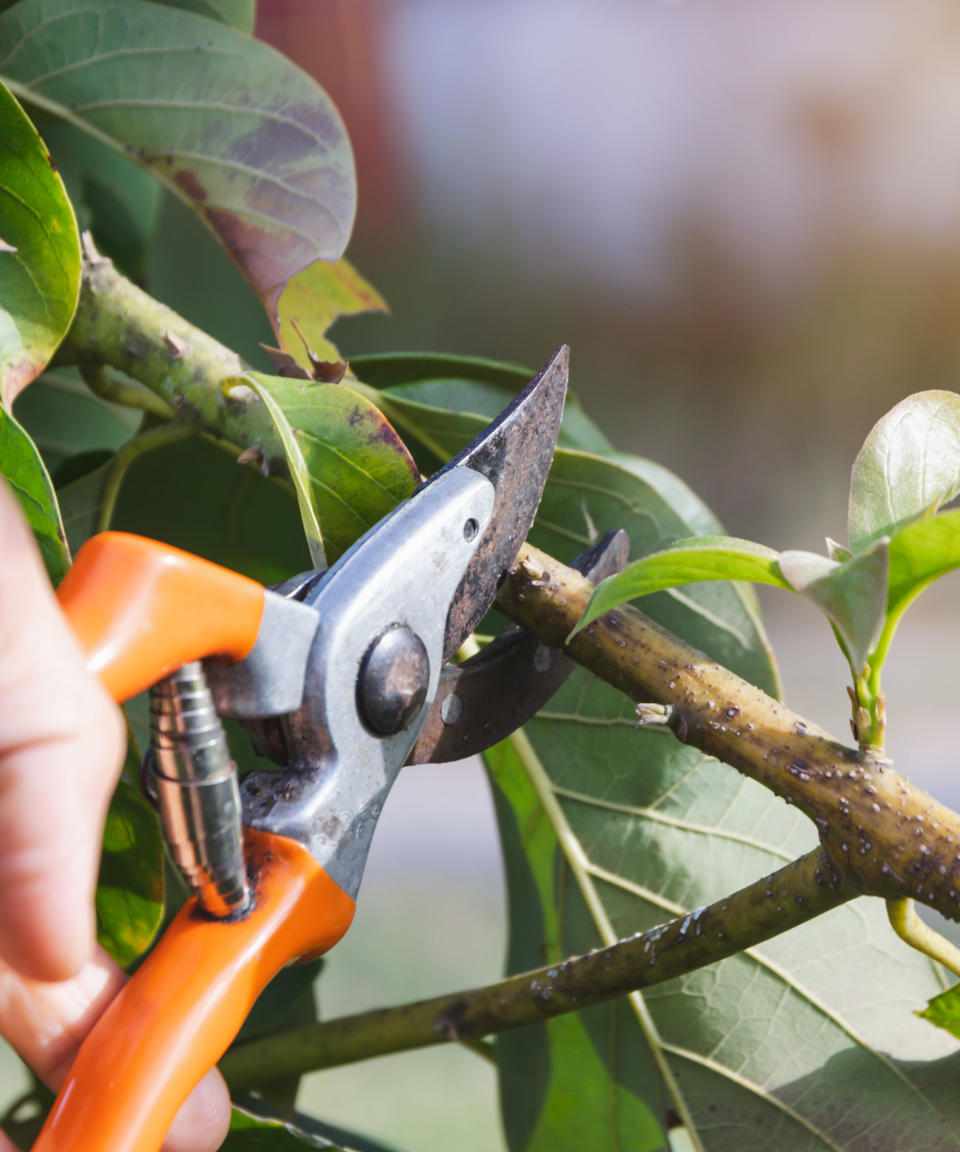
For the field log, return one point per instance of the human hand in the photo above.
(62, 741)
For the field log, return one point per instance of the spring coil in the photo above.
(195, 783)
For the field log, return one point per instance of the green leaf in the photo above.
(837, 551)
(113, 197)
(852, 594)
(573, 738)
(20, 463)
(80, 502)
(805, 1043)
(313, 299)
(944, 1011)
(676, 492)
(39, 252)
(265, 1131)
(129, 896)
(695, 559)
(353, 468)
(195, 496)
(190, 271)
(415, 383)
(558, 1088)
(919, 554)
(245, 137)
(389, 369)
(299, 473)
(250, 1134)
(240, 14)
(907, 468)
(587, 496)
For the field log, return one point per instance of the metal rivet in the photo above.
(394, 676)
(451, 709)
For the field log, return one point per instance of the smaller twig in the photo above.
(800, 891)
(904, 920)
(127, 393)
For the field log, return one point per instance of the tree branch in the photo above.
(880, 835)
(885, 836)
(800, 891)
(119, 325)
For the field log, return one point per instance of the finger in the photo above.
(203, 1121)
(61, 746)
(46, 1023)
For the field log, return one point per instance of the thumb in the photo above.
(61, 746)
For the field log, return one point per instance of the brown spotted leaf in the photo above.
(311, 302)
(246, 138)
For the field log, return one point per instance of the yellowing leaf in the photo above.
(313, 299)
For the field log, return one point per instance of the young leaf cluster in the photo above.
(899, 543)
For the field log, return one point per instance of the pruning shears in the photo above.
(342, 677)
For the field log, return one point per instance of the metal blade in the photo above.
(514, 453)
(483, 700)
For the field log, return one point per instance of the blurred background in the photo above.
(745, 220)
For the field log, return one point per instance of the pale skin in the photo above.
(61, 747)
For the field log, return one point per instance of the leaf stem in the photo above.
(803, 889)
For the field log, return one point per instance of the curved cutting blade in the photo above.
(514, 453)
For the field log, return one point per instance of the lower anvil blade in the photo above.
(483, 700)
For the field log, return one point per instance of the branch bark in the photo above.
(887, 837)
(800, 891)
(195, 376)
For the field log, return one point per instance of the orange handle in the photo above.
(140, 609)
(184, 1006)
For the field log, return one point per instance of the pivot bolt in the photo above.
(394, 676)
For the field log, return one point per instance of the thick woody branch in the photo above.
(884, 835)
(802, 890)
(194, 376)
